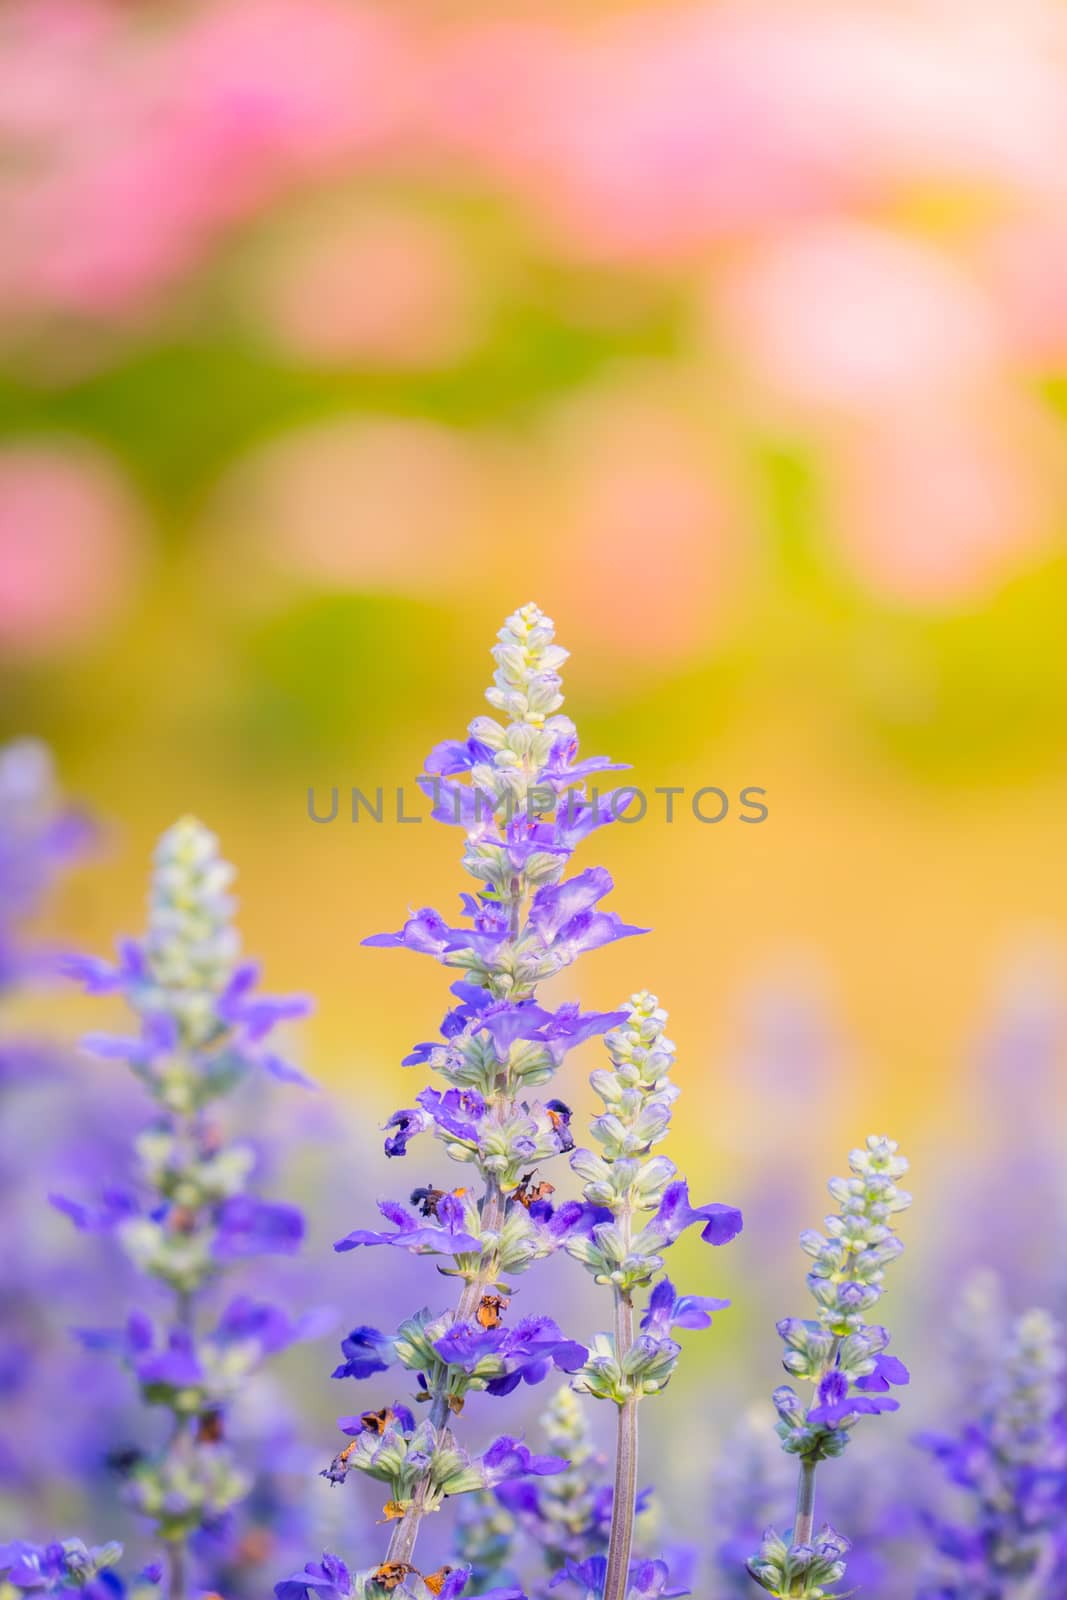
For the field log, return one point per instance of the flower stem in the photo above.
(804, 1521)
(493, 1207)
(406, 1530)
(624, 1500)
(176, 1589)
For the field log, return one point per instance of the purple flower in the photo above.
(570, 1026)
(251, 1227)
(466, 1343)
(667, 1310)
(158, 1037)
(561, 768)
(508, 1023)
(245, 1319)
(428, 933)
(407, 1124)
(510, 1458)
(366, 1351)
(106, 977)
(114, 1207)
(835, 1403)
(458, 1111)
(421, 1238)
(887, 1370)
(528, 1351)
(721, 1222)
(457, 755)
(176, 1366)
(328, 1579)
(564, 918)
(256, 1017)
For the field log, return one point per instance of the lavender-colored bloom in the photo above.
(525, 1353)
(721, 1223)
(447, 1239)
(328, 1579)
(248, 1226)
(366, 1351)
(667, 1310)
(509, 1458)
(407, 1124)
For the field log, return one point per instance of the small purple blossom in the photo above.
(366, 1351)
(449, 1238)
(667, 1310)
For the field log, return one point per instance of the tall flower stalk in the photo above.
(516, 788)
(636, 1207)
(841, 1355)
(190, 1215)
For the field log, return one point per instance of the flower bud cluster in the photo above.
(846, 1279)
(799, 1569)
(625, 1183)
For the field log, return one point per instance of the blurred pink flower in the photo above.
(844, 316)
(650, 134)
(382, 288)
(939, 507)
(139, 139)
(360, 504)
(1024, 262)
(70, 545)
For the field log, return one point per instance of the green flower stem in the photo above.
(406, 1530)
(624, 1502)
(804, 1521)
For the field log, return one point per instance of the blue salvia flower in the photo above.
(636, 1206)
(516, 788)
(1010, 1462)
(843, 1357)
(190, 1213)
(72, 1569)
